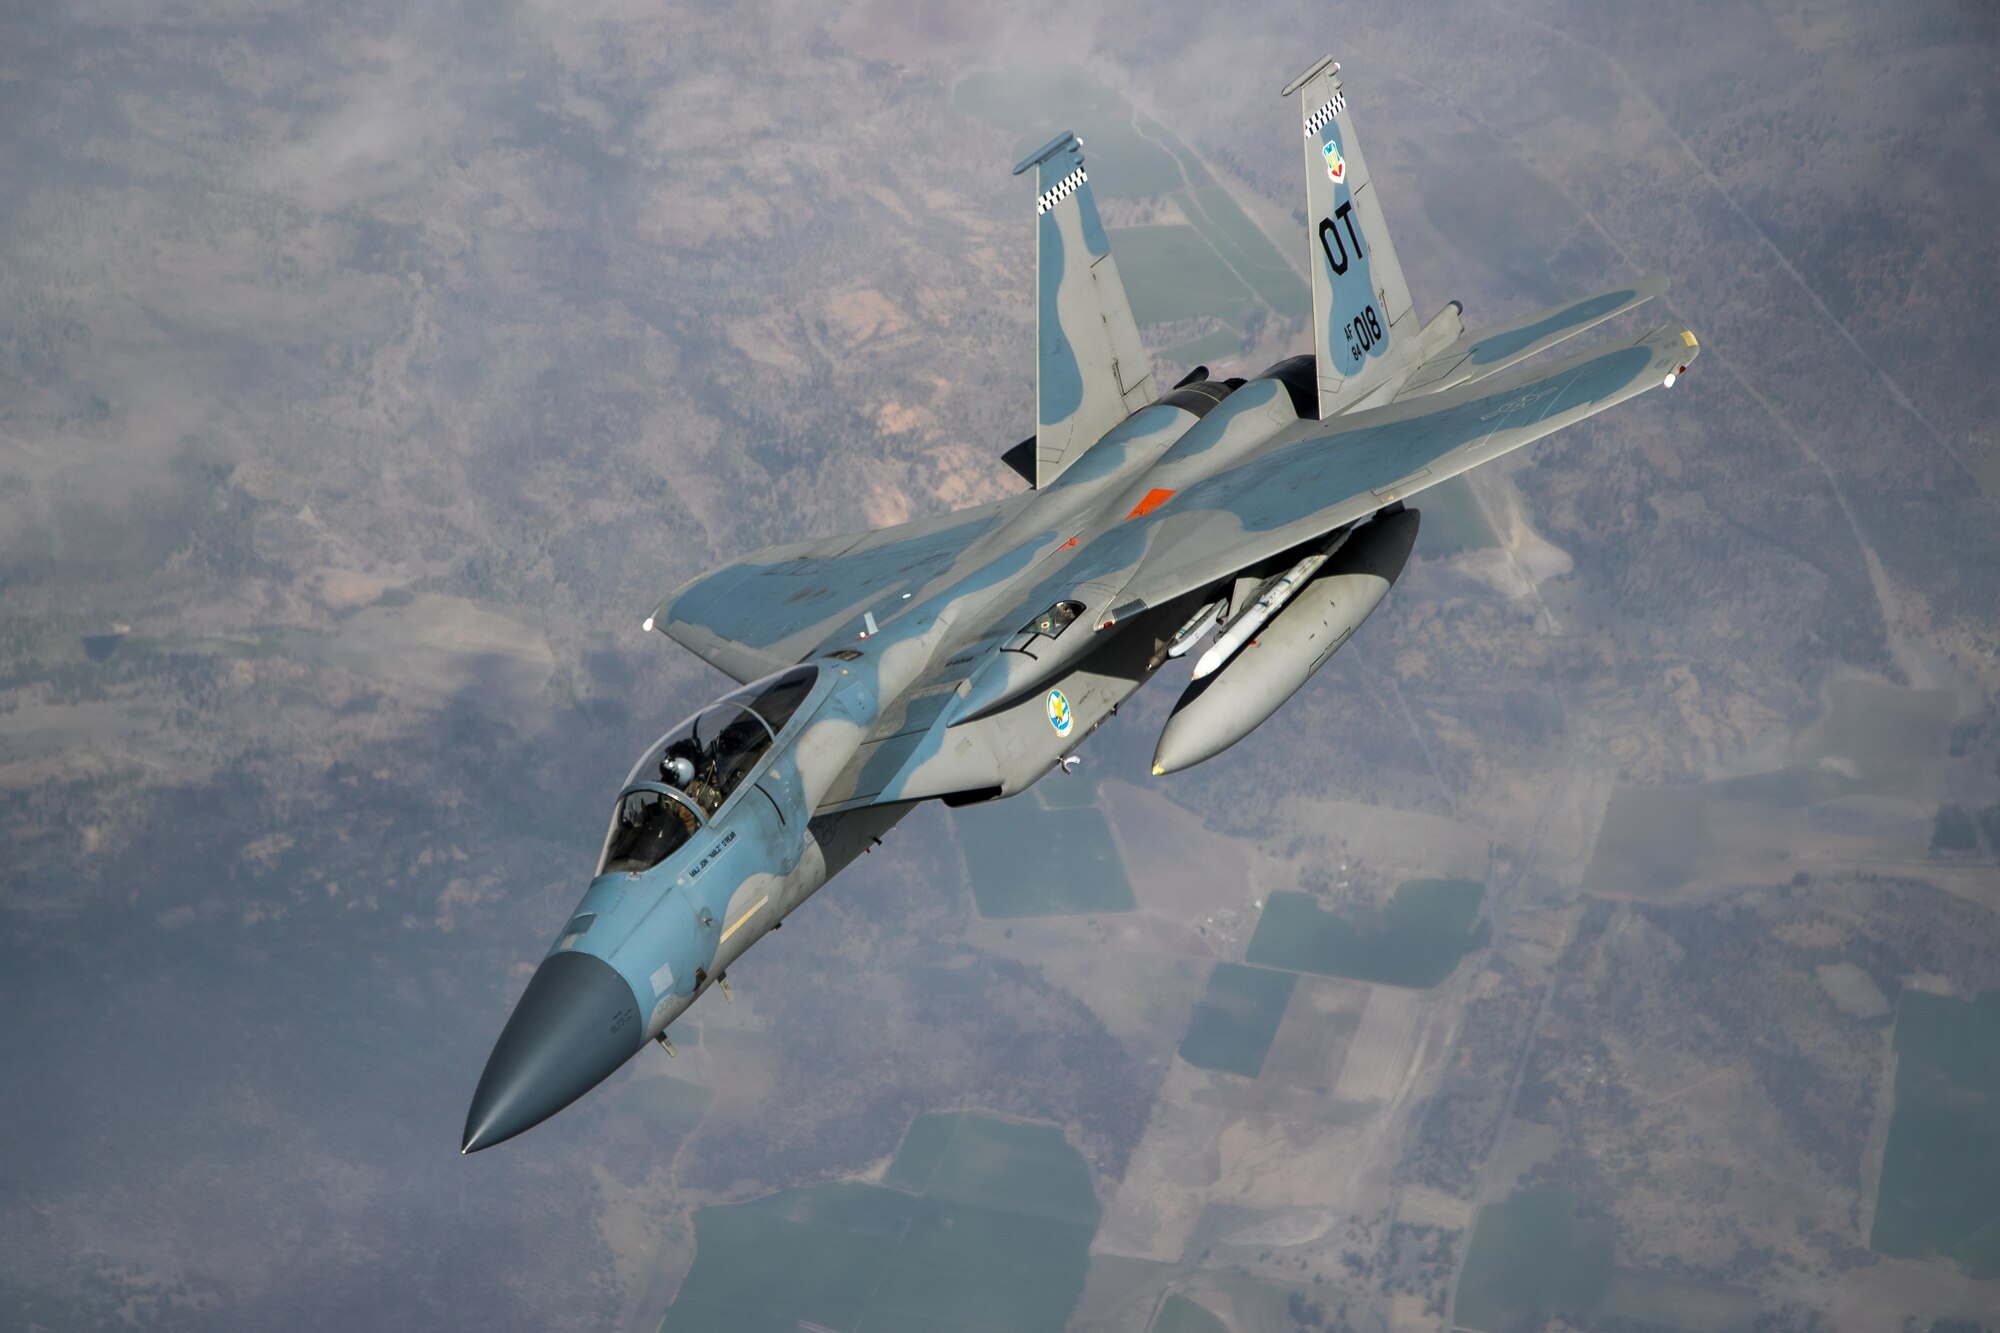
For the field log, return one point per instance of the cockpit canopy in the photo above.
(684, 778)
(648, 827)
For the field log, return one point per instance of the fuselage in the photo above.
(949, 693)
(961, 658)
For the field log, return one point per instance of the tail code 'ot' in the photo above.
(1364, 327)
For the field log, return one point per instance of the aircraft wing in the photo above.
(1478, 356)
(766, 611)
(1307, 487)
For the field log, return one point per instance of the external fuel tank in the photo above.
(1223, 707)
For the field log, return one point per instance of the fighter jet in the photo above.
(960, 658)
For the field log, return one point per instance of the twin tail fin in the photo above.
(1091, 370)
(1365, 330)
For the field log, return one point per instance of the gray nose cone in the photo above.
(576, 1022)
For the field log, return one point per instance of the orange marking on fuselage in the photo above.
(1066, 545)
(1154, 499)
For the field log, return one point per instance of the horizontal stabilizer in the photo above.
(1474, 356)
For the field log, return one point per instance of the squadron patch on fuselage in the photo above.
(1059, 717)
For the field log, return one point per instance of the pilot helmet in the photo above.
(677, 770)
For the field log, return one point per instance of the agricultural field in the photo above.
(1245, 248)
(1940, 1191)
(1236, 1019)
(1535, 1257)
(1413, 940)
(1074, 870)
(1178, 1314)
(986, 1226)
(1532, 1255)
(1171, 274)
(1652, 840)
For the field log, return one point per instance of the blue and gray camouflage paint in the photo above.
(1091, 370)
(941, 662)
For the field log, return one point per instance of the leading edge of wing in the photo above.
(1484, 353)
(1322, 482)
(772, 608)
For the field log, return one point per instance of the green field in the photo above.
(1940, 1191)
(1534, 1258)
(1954, 831)
(923, 1148)
(1028, 857)
(1171, 273)
(1178, 1314)
(1452, 522)
(1532, 1255)
(1224, 225)
(986, 1230)
(1416, 940)
(1652, 839)
(1233, 1024)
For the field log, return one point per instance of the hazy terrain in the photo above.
(368, 372)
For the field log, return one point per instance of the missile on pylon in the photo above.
(1221, 708)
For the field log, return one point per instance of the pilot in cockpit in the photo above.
(685, 768)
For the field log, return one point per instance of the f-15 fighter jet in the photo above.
(959, 658)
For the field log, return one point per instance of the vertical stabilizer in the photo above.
(1091, 371)
(1364, 329)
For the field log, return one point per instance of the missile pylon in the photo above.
(1222, 707)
